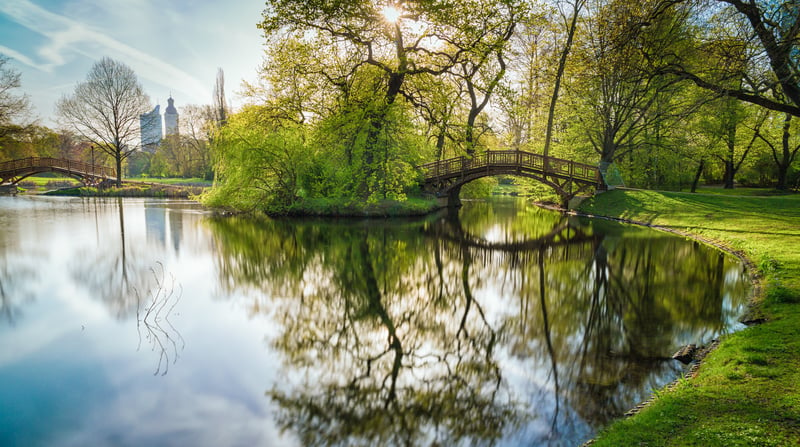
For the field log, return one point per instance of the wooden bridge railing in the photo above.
(512, 159)
(78, 167)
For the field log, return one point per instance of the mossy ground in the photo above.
(747, 391)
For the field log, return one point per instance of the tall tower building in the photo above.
(171, 118)
(150, 129)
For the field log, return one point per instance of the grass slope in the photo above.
(747, 392)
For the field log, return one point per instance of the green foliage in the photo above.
(352, 80)
(139, 164)
(257, 161)
(479, 188)
(367, 150)
(364, 153)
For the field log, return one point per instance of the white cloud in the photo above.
(66, 36)
(174, 47)
(22, 58)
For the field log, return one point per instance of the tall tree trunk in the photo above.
(729, 174)
(608, 149)
(562, 62)
(786, 158)
(698, 173)
(378, 118)
(440, 144)
(118, 159)
(475, 107)
(469, 133)
(730, 166)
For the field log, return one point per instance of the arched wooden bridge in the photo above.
(568, 178)
(12, 172)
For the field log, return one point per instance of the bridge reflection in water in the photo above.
(502, 324)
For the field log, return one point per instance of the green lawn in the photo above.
(55, 181)
(747, 392)
(741, 191)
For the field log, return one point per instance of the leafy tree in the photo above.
(730, 119)
(436, 100)
(784, 154)
(400, 41)
(187, 154)
(620, 95)
(196, 134)
(768, 31)
(483, 66)
(342, 168)
(257, 162)
(14, 108)
(571, 25)
(523, 95)
(105, 110)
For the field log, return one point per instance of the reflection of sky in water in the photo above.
(76, 370)
(70, 373)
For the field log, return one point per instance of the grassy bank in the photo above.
(178, 181)
(131, 190)
(746, 392)
(133, 187)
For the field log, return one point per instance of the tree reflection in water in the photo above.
(126, 282)
(471, 329)
(15, 284)
(113, 270)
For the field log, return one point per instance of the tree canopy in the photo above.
(665, 91)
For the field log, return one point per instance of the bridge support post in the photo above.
(453, 199)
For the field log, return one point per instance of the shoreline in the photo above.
(749, 317)
(747, 384)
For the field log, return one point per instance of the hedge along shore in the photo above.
(745, 392)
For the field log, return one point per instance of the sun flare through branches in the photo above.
(391, 13)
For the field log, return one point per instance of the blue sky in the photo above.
(174, 46)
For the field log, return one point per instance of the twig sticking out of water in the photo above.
(154, 318)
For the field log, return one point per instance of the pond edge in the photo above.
(751, 316)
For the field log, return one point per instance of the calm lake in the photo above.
(147, 322)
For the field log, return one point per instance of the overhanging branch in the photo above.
(733, 93)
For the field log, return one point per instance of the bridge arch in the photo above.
(453, 191)
(568, 178)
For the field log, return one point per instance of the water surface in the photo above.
(146, 322)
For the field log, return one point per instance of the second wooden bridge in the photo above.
(12, 172)
(568, 178)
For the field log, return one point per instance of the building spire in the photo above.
(171, 117)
